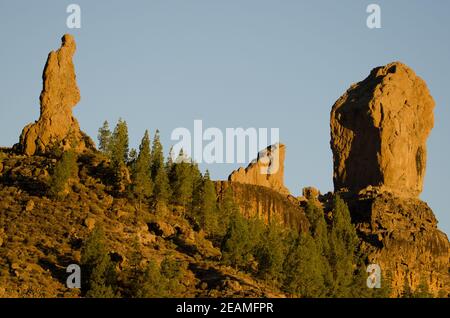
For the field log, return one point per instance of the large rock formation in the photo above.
(267, 170)
(379, 129)
(56, 127)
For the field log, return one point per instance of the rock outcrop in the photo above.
(401, 235)
(56, 127)
(379, 129)
(266, 170)
(266, 204)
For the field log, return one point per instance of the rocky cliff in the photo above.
(266, 170)
(266, 204)
(56, 127)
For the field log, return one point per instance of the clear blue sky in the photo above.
(234, 63)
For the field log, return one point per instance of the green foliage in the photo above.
(422, 290)
(65, 169)
(161, 192)
(303, 269)
(157, 156)
(182, 178)
(343, 244)
(204, 205)
(119, 144)
(155, 281)
(142, 184)
(104, 139)
(270, 251)
(98, 272)
(238, 243)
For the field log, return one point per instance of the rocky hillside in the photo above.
(40, 237)
(56, 190)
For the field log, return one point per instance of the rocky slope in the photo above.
(40, 237)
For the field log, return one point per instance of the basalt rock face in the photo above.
(56, 127)
(267, 170)
(401, 235)
(379, 129)
(266, 204)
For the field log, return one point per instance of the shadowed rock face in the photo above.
(56, 126)
(267, 170)
(401, 235)
(379, 129)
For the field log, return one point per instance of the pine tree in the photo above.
(181, 181)
(161, 187)
(65, 169)
(270, 251)
(104, 138)
(152, 284)
(157, 156)
(319, 232)
(227, 208)
(237, 243)
(98, 273)
(142, 184)
(343, 243)
(119, 144)
(208, 208)
(302, 268)
(161, 192)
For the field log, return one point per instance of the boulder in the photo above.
(379, 129)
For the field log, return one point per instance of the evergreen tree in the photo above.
(152, 284)
(227, 208)
(161, 192)
(104, 138)
(270, 251)
(319, 232)
(119, 144)
(157, 156)
(65, 169)
(208, 214)
(98, 273)
(161, 187)
(343, 243)
(182, 181)
(302, 268)
(237, 243)
(142, 184)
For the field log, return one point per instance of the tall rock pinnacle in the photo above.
(379, 129)
(56, 126)
(267, 170)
